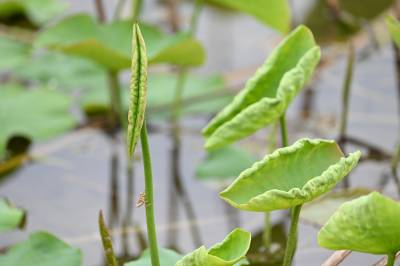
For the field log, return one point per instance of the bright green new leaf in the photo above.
(37, 11)
(10, 217)
(274, 13)
(227, 253)
(290, 176)
(167, 258)
(38, 114)
(12, 53)
(42, 249)
(319, 211)
(138, 99)
(394, 29)
(109, 44)
(269, 92)
(227, 162)
(368, 224)
(107, 242)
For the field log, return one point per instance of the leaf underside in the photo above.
(290, 176)
(269, 92)
(368, 224)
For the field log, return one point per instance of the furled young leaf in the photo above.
(38, 114)
(37, 11)
(368, 224)
(394, 29)
(230, 251)
(269, 92)
(12, 54)
(227, 162)
(274, 13)
(109, 44)
(290, 176)
(107, 242)
(167, 258)
(319, 211)
(42, 249)
(10, 217)
(137, 103)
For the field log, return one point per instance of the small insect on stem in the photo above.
(141, 200)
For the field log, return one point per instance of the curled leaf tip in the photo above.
(138, 89)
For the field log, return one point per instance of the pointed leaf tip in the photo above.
(138, 89)
(107, 242)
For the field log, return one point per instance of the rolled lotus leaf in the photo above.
(269, 92)
(290, 176)
(230, 251)
(368, 224)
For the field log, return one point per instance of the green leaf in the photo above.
(230, 251)
(138, 99)
(394, 29)
(290, 176)
(368, 224)
(38, 11)
(319, 211)
(227, 162)
(42, 249)
(38, 114)
(12, 53)
(109, 44)
(107, 242)
(10, 217)
(273, 13)
(167, 258)
(268, 93)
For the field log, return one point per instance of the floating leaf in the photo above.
(167, 258)
(227, 162)
(42, 249)
(290, 176)
(319, 211)
(394, 29)
(274, 13)
(268, 93)
(368, 224)
(109, 44)
(107, 242)
(38, 114)
(137, 103)
(10, 217)
(37, 11)
(12, 53)
(227, 253)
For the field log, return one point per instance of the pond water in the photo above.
(75, 176)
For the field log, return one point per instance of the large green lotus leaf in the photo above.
(167, 258)
(290, 176)
(38, 114)
(12, 53)
(394, 29)
(227, 162)
(269, 92)
(37, 11)
(227, 253)
(10, 217)
(368, 224)
(319, 211)
(110, 44)
(274, 13)
(42, 249)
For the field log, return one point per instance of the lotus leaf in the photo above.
(12, 53)
(227, 253)
(10, 217)
(269, 92)
(290, 176)
(368, 224)
(109, 44)
(394, 29)
(167, 258)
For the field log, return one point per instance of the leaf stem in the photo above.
(390, 259)
(136, 6)
(117, 110)
(151, 228)
(292, 238)
(266, 236)
(284, 135)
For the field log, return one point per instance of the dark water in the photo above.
(75, 176)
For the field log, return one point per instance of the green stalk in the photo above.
(148, 179)
(284, 135)
(390, 259)
(394, 163)
(266, 236)
(291, 243)
(116, 102)
(136, 6)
